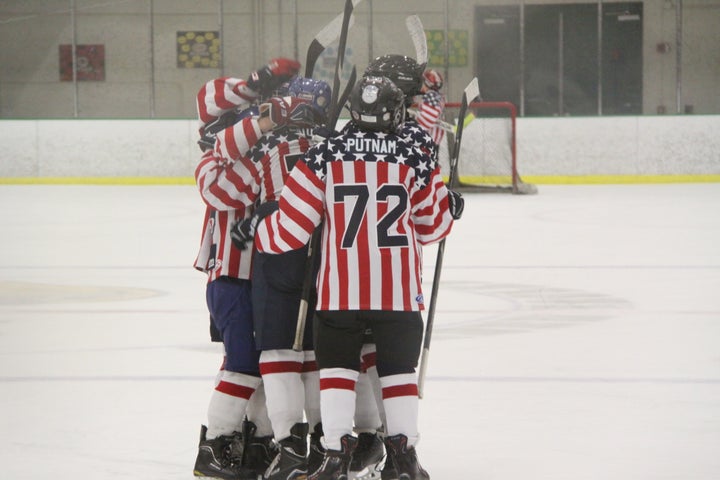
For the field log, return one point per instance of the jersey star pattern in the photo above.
(379, 198)
(275, 156)
(419, 137)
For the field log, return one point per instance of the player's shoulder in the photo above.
(433, 96)
(376, 138)
(272, 141)
(413, 132)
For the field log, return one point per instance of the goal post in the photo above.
(488, 154)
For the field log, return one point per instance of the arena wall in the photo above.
(550, 150)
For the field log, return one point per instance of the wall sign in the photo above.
(458, 51)
(90, 62)
(198, 49)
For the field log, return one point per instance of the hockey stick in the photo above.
(472, 91)
(448, 127)
(314, 242)
(329, 34)
(335, 112)
(340, 60)
(417, 34)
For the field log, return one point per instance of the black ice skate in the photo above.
(404, 459)
(367, 457)
(388, 471)
(336, 463)
(291, 462)
(317, 451)
(258, 451)
(221, 458)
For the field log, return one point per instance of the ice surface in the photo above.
(577, 335)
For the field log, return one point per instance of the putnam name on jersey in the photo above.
(371, 145)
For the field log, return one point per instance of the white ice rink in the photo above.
(577, 335)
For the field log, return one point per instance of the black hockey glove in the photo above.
(243, 232)
(227, 119)
(325, 132)
(457, 204)
(268, 78)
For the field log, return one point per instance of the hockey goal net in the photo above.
(488, 154)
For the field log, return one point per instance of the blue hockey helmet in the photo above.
(317, 92)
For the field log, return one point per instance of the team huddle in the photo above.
(276, 178)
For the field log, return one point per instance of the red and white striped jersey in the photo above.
(242, 170)
(217, 256)
(221, 95)
(379, 199)
(226, 181)
(225, 176)
(429, 112)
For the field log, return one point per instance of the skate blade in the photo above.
(368, 473)
(197, 474)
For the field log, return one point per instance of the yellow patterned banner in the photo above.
(198, 49)
(458, 48)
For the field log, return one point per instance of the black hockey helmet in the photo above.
(376, 103)
(404, 71)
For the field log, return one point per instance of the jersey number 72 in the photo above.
(361, 193)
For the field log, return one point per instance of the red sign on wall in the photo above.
(90, 62)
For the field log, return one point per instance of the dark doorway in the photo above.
(562, 70)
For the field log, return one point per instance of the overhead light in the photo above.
(628, 17)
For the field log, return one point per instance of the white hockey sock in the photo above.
(400, 398)
(228, 403)
(257, 413)
(284, 390)
(367, 416)
(337, 403)
(311, 381)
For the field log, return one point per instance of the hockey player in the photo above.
(431, 104)
(228, 295)
(291, 378)
(378, 198)
(407, 75)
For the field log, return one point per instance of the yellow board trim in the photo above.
(97, 181)
(537, 180)
(591, 179)
(619, 179)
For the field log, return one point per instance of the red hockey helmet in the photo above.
(432, 79)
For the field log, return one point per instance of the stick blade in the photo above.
(417, 35)
(336, 110)
(331, 32)
(328, 35)
(472, 91)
